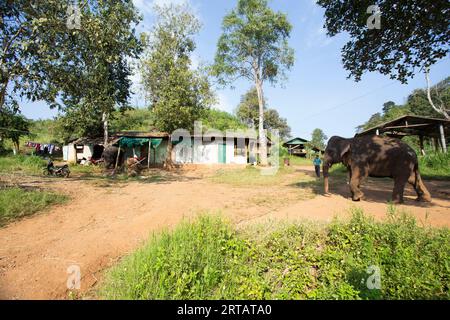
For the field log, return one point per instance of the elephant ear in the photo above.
(345, 148)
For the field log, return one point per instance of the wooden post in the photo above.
(117, 159)
(443, 142)
(421, 145)
(148, 157)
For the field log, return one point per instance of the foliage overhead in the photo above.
(178, 94)
(414, 34)
(43, 59)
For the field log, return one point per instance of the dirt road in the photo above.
(105, 221)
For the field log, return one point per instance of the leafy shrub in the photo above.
(435, 165)
(26, 164)
(208, 260)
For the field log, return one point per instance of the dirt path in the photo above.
(105, 221)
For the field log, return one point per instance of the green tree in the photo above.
(12, 127)
(254, 46)
(416, 104)
(34, 43)
(45, 56)
(221, 120)
(105, 44)
(413, 35)
(178, 95)
(318, 138)
(248, 112)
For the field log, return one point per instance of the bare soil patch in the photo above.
(106, 219)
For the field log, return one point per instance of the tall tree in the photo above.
(13, 126)
(413, 35)
(318, 138)
(34, 41)
(254, 46)
(105, 44)
(49, 54)
(178, 94)
(248, 112)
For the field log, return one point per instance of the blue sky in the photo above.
(317, 93)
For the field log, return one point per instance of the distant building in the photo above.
(151, 148)
(298, 147)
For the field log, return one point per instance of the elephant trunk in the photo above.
(325, 168)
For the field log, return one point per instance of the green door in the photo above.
(222, 153)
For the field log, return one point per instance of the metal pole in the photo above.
(148, 158)
(117, 159)
(443, 143)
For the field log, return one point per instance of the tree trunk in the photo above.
(262, 134)
(16, 147)
(3, 88)
(105, 129)
(439, 109)
(169, 161)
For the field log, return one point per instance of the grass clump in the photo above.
(251, 176)
(21, 163)
(435, 165)
(188, 263)
(208, 259)
(16, 203)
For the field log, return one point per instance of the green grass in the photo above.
(20, 163)
(435, 165)
(298, 161)
(16, 203)
(209, 259)
(252, 176)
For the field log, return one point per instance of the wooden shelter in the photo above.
(298, 147)
(148, 147)
(432, 128)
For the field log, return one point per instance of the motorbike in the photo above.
(52, 170)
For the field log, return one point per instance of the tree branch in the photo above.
(440, 109)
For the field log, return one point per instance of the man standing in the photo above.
(317, 162)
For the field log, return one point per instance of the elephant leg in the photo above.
(357, 174)
(422, 193)
(399, 188)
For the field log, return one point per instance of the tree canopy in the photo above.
(416, 104)
(80, 68)
(178, 94)
(248, 113)
(413, 34)
(254, 46)
(318, 139)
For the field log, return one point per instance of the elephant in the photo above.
(110, 156)
(375, 156)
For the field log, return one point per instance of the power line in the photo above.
(359, 97)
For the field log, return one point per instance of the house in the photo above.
(85, 148)
(296, 147)
(234, 148)
(151, 148)
(211, 148)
